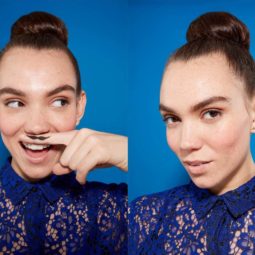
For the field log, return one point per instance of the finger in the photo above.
(62, 138)
(58, 169)
(75, 152)
(89, 163)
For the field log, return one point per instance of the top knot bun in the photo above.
(219, 25)
(39, 23)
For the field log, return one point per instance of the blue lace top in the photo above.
(190, 220)
(59, 216)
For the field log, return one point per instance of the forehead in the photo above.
(27, 68)
(202, 77)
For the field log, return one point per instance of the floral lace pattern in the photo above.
(191, 221)
(59, 216)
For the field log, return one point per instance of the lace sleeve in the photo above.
(145, 214)
(111, 220)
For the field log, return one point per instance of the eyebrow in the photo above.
(9, 90)
(199, 105)
(60, 89)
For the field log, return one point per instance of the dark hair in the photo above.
(220, 32)
(42, 30)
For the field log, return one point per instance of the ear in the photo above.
(81, 105)
(253, 115)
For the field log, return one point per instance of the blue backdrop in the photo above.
(109, 58)
(98, 39)
(157, 28)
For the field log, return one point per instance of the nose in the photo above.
(190, 137)
(37, 122)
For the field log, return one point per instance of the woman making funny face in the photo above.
(46, 207)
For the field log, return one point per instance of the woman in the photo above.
(207, 102)
(44, 207)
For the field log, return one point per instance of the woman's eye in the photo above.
(14, 104)
(170, 120)
(211, 114)
(60, 103)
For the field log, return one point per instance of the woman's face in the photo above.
(37, 96)
(209, 119)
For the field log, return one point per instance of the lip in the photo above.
(34, 157)
(197, 167)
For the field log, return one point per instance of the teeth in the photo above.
(36, 147)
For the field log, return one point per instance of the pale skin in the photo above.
(86, 149)
(38, 98)
(209, 119)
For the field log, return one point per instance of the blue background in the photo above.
(157, 28)
(98, 39)
(117, 43)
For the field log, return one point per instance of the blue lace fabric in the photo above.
(189, 220)
(59, 216)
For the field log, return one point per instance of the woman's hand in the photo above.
(86, 149)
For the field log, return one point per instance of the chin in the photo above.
(202, 182)
(32, 172)
(36, 174)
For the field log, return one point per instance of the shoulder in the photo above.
(92, 194)
(105, 194)
(69, 184)
(102, 191)
(162, 199)
(115, 188)
(147, 213)
(154, 206)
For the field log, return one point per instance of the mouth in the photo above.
(197, 167)
(36, 153)
(196, 163)
(35, 147)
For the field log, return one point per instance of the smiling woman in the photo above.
(207, 103)
(44, 207)
(50, 108)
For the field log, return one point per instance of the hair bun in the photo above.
(39, 23)
(219, 25)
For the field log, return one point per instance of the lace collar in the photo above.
(16, 188)
(237, 201)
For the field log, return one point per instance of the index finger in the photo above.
(63, 138)
(58, 138)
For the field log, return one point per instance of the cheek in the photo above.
(9, 128)
(64, 124)
(231, 136)
(9, 124)
(172, 140)
(65, 121)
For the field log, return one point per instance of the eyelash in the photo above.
(13, 101)
(217, 111)
(66, 102)
(168, 117)
(175, 119)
